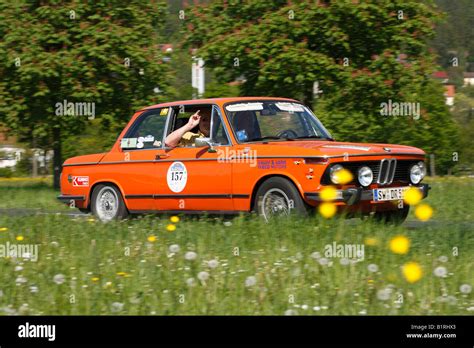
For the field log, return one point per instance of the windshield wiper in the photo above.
(314, 137)
(270, 137)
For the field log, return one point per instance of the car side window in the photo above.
(182, 113)
(148, 130)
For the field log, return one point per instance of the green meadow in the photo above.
(233, 266)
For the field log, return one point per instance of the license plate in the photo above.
(389, 194)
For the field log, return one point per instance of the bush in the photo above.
(24, 166)
(6, 173)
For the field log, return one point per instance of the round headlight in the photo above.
(365, 176)
(423, 169)
(416, 173)
(332, 173)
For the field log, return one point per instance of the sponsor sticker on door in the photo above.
(177, 177)
(80, 181)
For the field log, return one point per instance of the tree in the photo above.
(361, 53)
(101, 54)
(463, 112)
(454, 36)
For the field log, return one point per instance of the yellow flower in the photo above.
(328, 193)
(412, 196)
(151, 239)
(174, 219)
(400, 245)
(95, 279)
(122, 274)
(343, 176)
(423, 212)
(370, 281)
(19, 238)
(91, 220)
(371, 241)
(170, 228)
(327, 209)
(3, 229)
(412, 272)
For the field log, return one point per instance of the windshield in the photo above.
(273, 120)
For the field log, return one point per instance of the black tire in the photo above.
(282, 195)
(393, 217)
(99, 209)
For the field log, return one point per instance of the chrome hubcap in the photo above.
(275, 202)
(107, 204)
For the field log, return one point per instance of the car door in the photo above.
(132, 166)
(196, 178)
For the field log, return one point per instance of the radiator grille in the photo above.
(385, 171)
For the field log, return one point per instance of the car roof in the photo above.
(219, 101)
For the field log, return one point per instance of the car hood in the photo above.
(336, 148)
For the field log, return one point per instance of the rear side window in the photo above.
(147, 131)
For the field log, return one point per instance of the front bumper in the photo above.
(68, 198)
(354, 195)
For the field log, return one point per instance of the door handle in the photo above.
(161, 156)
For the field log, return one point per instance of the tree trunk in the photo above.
(35, 164)
(432, 165)
(57, 160)
(34, 161)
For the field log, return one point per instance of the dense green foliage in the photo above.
(99, 52)
(454, 37)
(362, 54)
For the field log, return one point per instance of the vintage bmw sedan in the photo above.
(267, 155)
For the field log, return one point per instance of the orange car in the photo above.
(268, 155)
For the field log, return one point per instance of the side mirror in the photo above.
(202, 142)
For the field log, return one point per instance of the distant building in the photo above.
(449, 91)
(442, 76)
(469, 79)
(10, 155)
(167, 48)
(238, 81)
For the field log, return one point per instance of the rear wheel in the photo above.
(107, 203)
(394, 217)
(278, 197)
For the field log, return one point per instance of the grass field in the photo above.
(239, 266)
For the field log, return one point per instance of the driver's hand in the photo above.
(194, 120)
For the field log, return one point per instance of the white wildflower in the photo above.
(174, 248)
(203, 276)
(250, 281)
(190, 255)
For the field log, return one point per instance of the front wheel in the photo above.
(107, 203)
(394, 217)
(278, 197)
